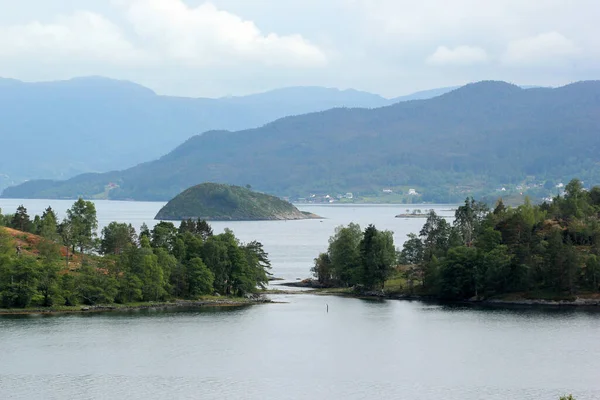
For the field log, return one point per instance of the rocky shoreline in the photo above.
(145, 306)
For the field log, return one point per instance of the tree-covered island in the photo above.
(56, 265)
(527, 253)
(218, 202)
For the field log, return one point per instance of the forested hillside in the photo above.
(65, 128)
(468, 141)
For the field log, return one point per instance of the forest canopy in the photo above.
(551, 250)
(44, 262)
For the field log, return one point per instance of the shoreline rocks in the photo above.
(249, 300)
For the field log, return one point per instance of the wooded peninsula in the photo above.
(44, 263)
(547, 252)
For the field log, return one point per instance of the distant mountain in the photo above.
(61, 129)
(478, 136)
(425, 94)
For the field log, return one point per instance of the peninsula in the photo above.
(219, 202)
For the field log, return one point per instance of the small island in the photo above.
(414, 214)
(219, 202)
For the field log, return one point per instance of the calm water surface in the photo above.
(296, 349)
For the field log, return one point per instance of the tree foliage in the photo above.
(82, 221)
(117, 237)
(549, 248)
(356, 257)
(164, 263)
(21, 220)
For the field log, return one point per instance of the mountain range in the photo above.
(63, 128)
(473, 138)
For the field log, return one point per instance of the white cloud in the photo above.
(81, 35)
(206, 36)
(544, 48)
(162, 33)
(460, 55)
(221, 47)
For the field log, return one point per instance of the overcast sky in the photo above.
(234, 47)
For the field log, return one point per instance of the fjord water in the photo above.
(295, 349)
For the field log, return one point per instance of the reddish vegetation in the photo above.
(29, 244)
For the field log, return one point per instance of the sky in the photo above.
(235, 47)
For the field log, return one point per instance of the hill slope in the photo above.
(217, 202)
(30, 245)
(478, 136)
(98, 124)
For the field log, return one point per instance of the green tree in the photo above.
(242, 279)
(153, 278)
(48, 225)
(412, 256)
(592, 272)
(117, 237)
(575, 202)
(164, 235)
(495, 272)
(196, 227)
(200, 278)
(216, 258)
(144, 231)
(18, 281)
(468, 219)
(435, 236)
(81, 218)
(258, 263)
(378, 256)
(68, 289)
(96, 286)
(49, 268)
(412, 251)
(322, 269)
(459, 273)
(344, 254)
(21, 220)
(65, 230)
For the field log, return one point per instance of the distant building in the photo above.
(388, 191)
(349, 195)
(412, 192)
